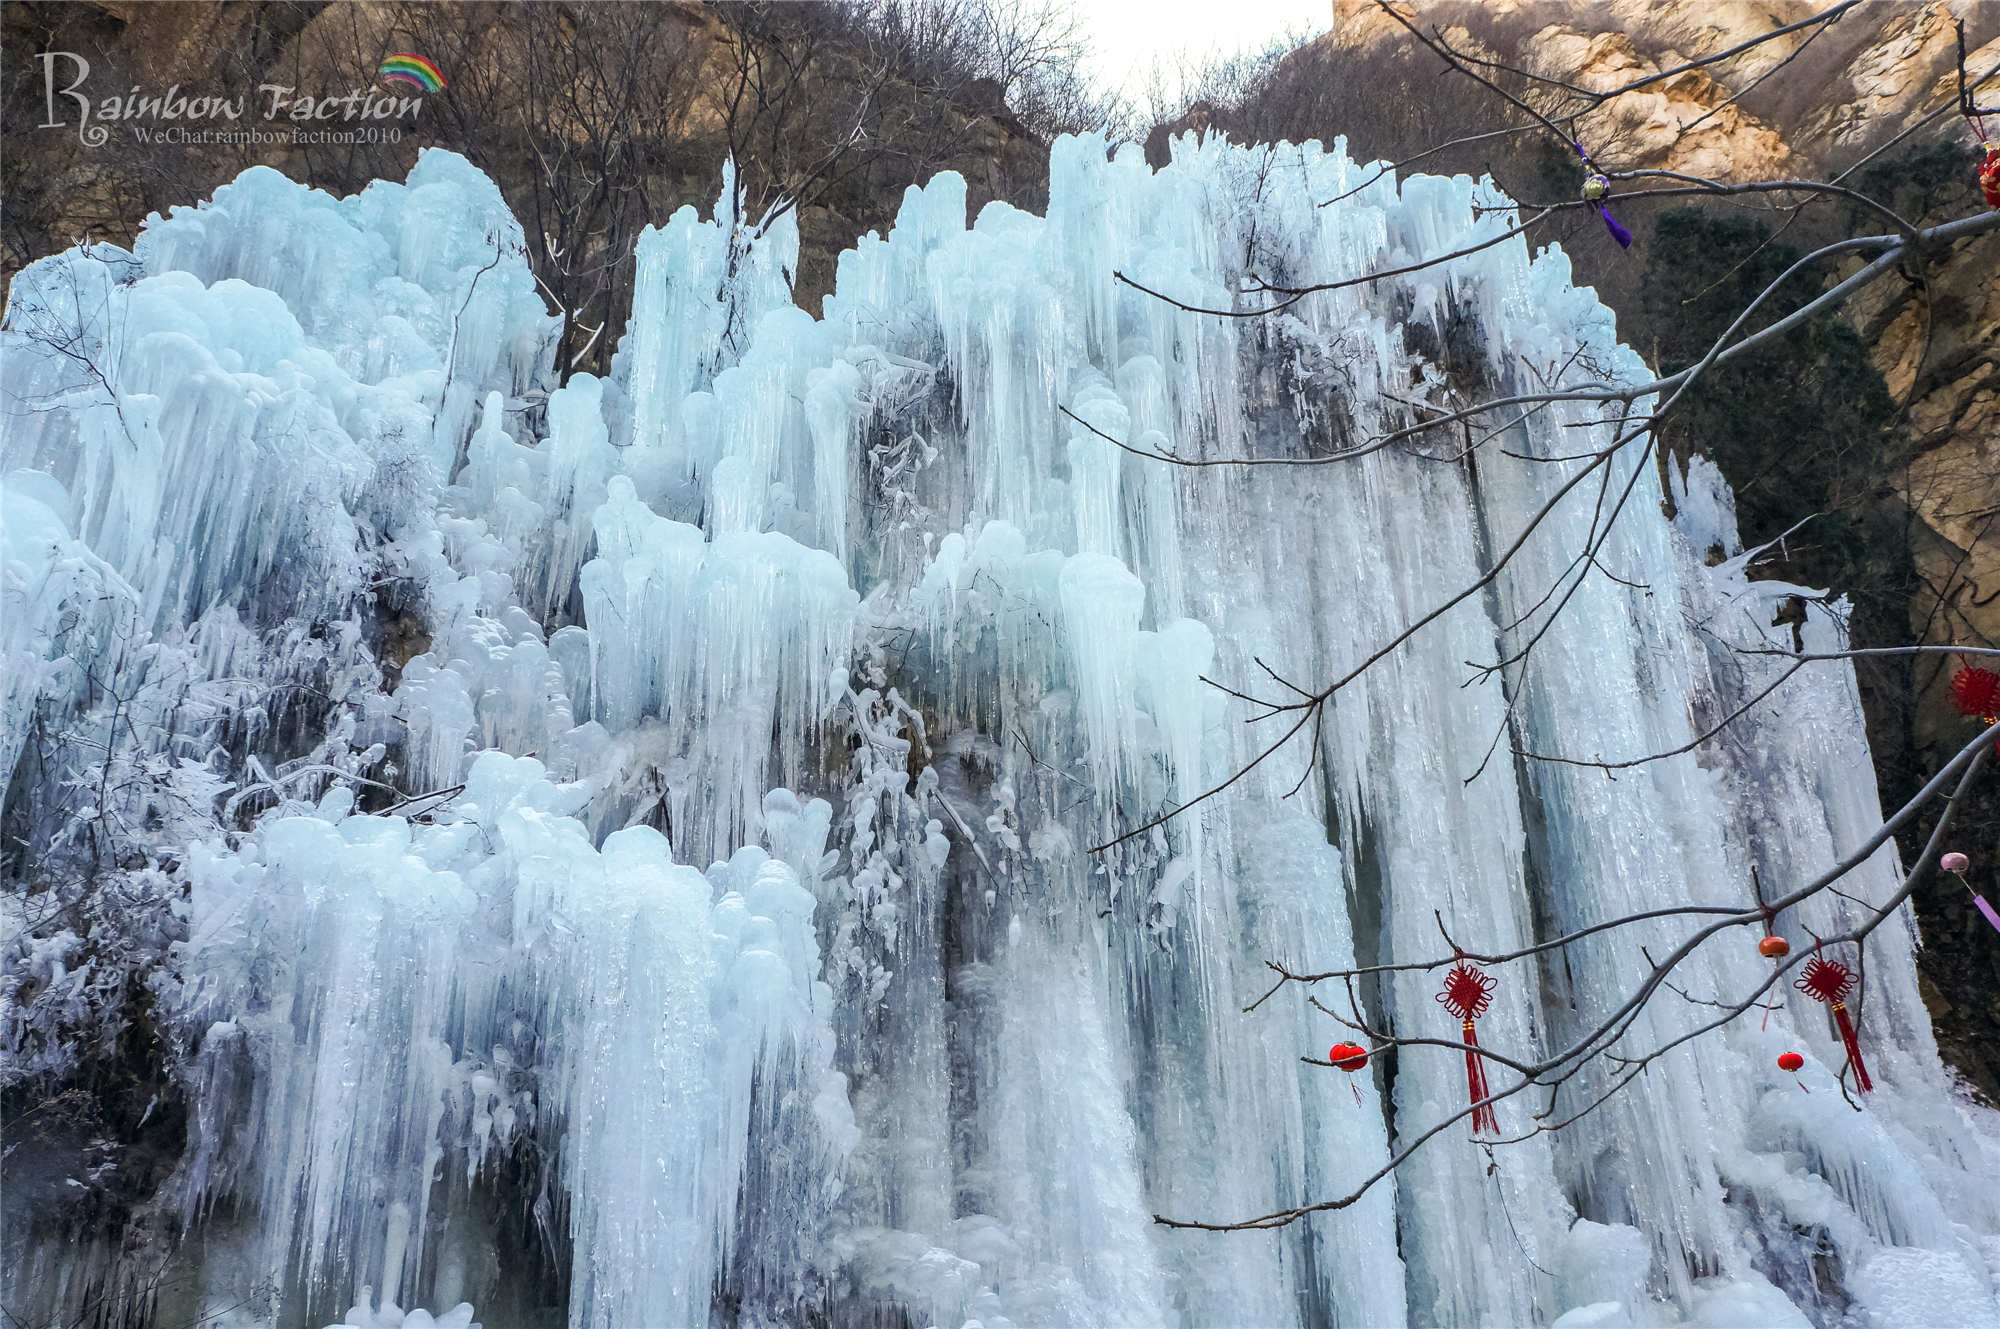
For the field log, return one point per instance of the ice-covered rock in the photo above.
(890, 621)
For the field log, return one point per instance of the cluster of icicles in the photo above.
(737, 954)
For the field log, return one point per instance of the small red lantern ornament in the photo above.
(1829, 981)
(1468, 991)
(1977, 691)
(1989, 175)
(1790, 1061)
(1349, 1057)
(1774, 948)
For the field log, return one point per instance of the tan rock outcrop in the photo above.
(1809, 104)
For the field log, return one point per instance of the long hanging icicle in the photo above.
(1829, 981)
(1468, 991)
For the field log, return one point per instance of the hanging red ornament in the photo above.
(1989, 175)
(1977, 691)
(1830, 981)
(1790, 1061)
(1349, 1057)
(1467, 993)
(1774, 948)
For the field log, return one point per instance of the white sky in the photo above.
(1129, 34)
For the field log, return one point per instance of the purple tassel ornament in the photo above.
(1597, 188)
(1956, 864)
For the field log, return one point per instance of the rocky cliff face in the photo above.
(1812, 101)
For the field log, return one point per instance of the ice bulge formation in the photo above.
(697, 922)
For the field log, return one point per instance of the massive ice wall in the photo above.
(884, 620)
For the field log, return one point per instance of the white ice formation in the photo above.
(872, 617)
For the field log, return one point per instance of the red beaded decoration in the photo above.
(1829, 981)
(1468, 991)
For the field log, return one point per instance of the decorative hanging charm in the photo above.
(1977, 691)
(1349, 1057)
(1974, 113)
(1792, 1062)
(1597, 188)
(1774, 947)
(1467, 993)
(1830, 981)
(1956, 864)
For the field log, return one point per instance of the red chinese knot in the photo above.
(1348, 1056)
(1976, 691)
(1825, 980)
(1468, 991)
(1830, 981)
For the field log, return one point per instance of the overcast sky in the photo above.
(1128, 34)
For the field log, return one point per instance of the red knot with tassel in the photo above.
(1977, 693)
(1830, 981)
(1468, 991)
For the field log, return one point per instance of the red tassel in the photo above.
(1475, 1084)
(1829, 981)
(1853, 1046)
(1467, 993)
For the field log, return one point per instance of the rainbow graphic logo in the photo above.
(414, 70)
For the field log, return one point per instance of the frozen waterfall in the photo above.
(698, 922)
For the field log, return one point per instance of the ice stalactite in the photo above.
(891, 618)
